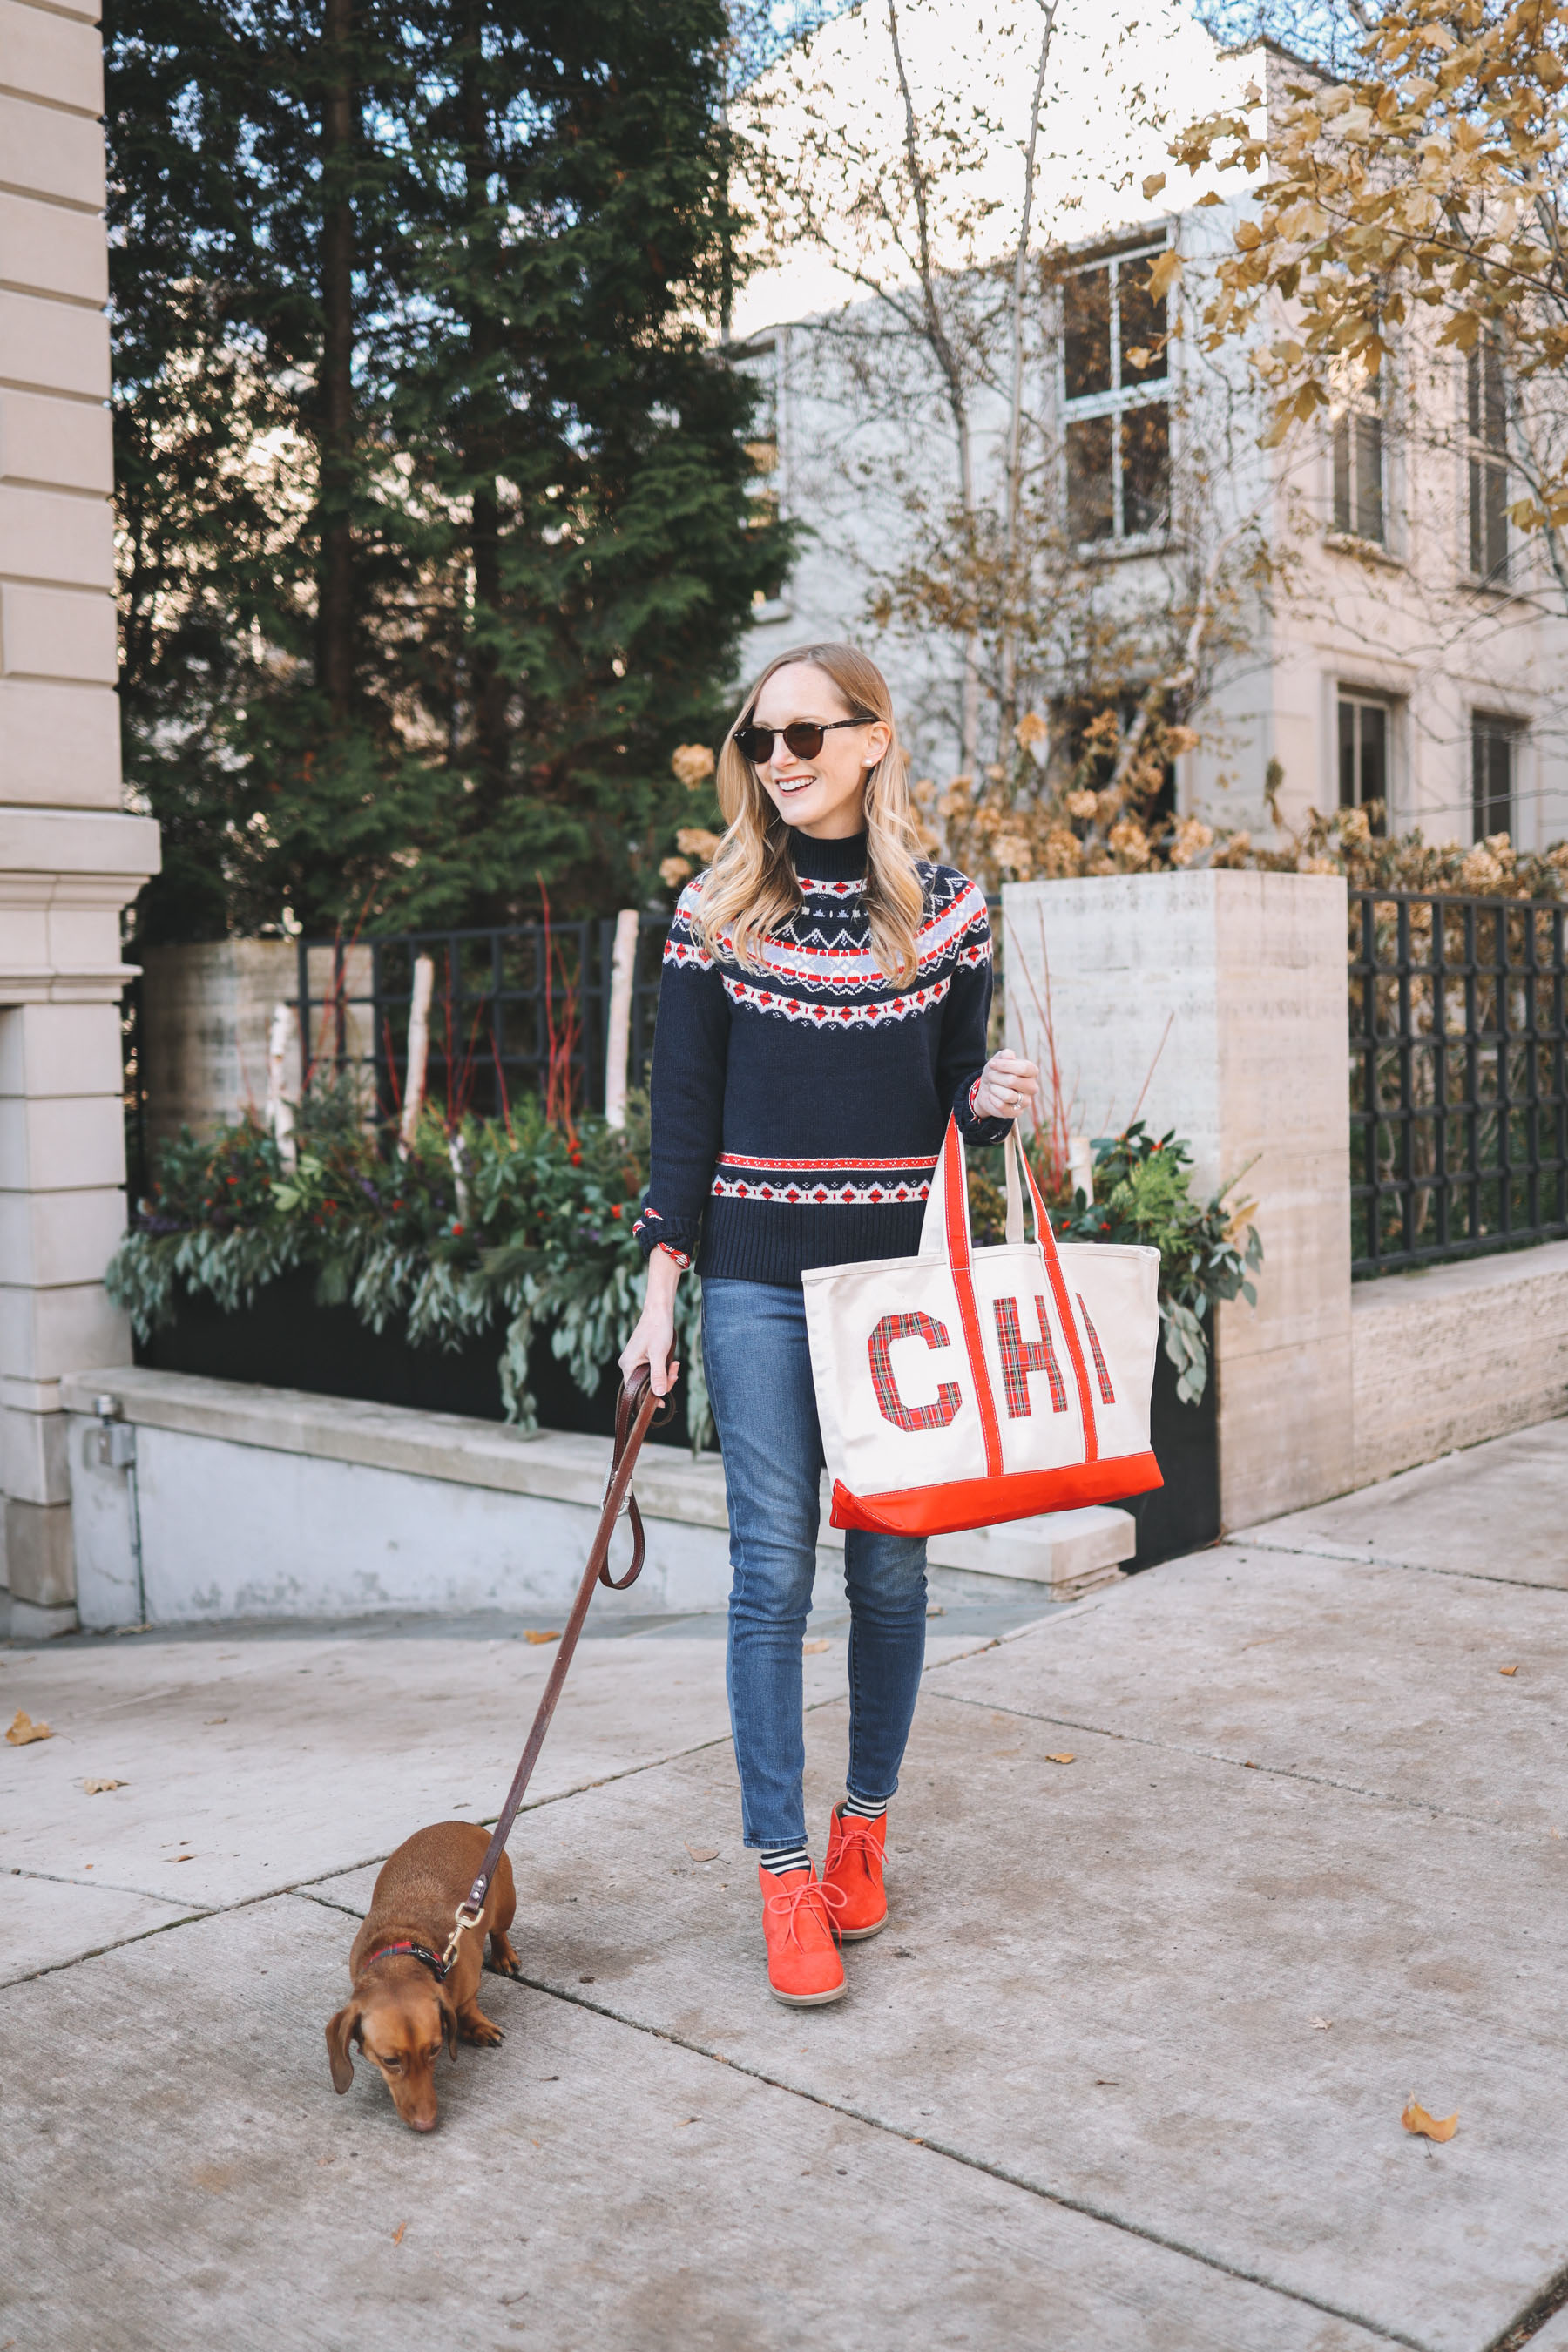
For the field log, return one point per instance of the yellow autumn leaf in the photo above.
(24, 1731)
(1066, 1757)
(814, 1649)
(1164, 272)
(1152, 185)
(537, 1636)
(1417, 2120)
(1508, 1670)
(101, 1787)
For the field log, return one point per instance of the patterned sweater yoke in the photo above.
(799, 1104)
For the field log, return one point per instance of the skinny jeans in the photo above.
(757, 1365)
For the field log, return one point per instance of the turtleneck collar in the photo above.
(828, 861)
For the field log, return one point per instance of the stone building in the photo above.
(71, 856)
(1412, 649)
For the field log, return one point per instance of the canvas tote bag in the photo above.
(966, 1386)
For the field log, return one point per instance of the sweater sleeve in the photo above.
(963, 1052)
(691, 1046)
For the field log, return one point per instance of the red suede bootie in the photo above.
(798, 1923)
(854, 1869)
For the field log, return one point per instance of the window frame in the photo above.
(1485, 458)
(1359, 699)
(1118, 402)
(1496, 727)
(1365, 417)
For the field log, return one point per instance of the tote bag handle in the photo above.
(951, 1180)
(945, 1234)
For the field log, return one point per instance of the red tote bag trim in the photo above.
(965, 1502)
(955, 1214)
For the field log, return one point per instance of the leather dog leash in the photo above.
(636, 1409)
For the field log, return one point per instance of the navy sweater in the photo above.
(798, 1110)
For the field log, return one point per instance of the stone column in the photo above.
(70, 857)
(1217, 1003)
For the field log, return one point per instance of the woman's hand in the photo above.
(1008, 1086)
(652, 1340)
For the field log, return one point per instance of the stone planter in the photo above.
(288, 1341)
(1184, 1513)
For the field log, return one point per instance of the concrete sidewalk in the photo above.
(1124, 2074)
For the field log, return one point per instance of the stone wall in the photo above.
(70, 857)
(1453, 1354)
(1215, 1003)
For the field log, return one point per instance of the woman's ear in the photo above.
(877, 740)
(343, 2032)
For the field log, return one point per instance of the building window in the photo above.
(1358, 502)
(1363, 758)
(1494, 748)
(1486, 401)
(1115, 369)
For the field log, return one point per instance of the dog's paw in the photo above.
(482, 2031)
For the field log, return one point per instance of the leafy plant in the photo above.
(1142, 1193)
(481, 1225)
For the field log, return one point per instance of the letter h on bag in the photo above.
(949, 1396)
(1020, 1357)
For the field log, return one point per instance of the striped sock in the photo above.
(782, 1859)
(863, 1808)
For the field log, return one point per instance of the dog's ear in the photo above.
(449, 2028)
(343, 2032)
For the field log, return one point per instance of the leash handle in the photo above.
(637, 1410)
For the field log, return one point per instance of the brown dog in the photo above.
(401, 2008)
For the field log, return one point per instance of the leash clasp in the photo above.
(468, 1914)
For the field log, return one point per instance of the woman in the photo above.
(823, 1009)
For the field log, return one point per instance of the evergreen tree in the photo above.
(437, 518)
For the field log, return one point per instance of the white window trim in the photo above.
(1159, 392)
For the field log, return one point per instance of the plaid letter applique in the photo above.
(1107, 1393)
(1021, 1356)
(949, 1396)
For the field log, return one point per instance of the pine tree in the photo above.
(435, 509)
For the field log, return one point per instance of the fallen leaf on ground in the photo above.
(1323, 2023)
(185, 1857)
(1066, 1757)
(553, 1635)
(1556, 1833)
(936, 1609)
(217, 1718)
(1508, 1670)
(702, 1852)
(1417, 2120)
(814, 1649)
(397, 2233)
(101, 1787)
(24, 1731)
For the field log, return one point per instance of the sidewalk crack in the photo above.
(1242, 1764)
(955, 2155)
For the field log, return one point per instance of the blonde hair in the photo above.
(751, 888)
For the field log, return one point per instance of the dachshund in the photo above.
(404, 2004)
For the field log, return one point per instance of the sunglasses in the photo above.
(804, 738)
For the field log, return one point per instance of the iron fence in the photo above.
(512, 1010)
(1458, 1100)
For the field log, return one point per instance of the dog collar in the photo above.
(437, 1968)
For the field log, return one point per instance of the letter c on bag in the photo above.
(949, 1396)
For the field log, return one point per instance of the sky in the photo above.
(1121, 79)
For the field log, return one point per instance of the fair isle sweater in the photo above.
(798, 1110)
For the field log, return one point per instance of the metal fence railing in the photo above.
(1458, 1079)
(510, 1008)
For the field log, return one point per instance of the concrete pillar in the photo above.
(1219, 999)
(70, 857)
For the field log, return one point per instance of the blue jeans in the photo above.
(758, 1367)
